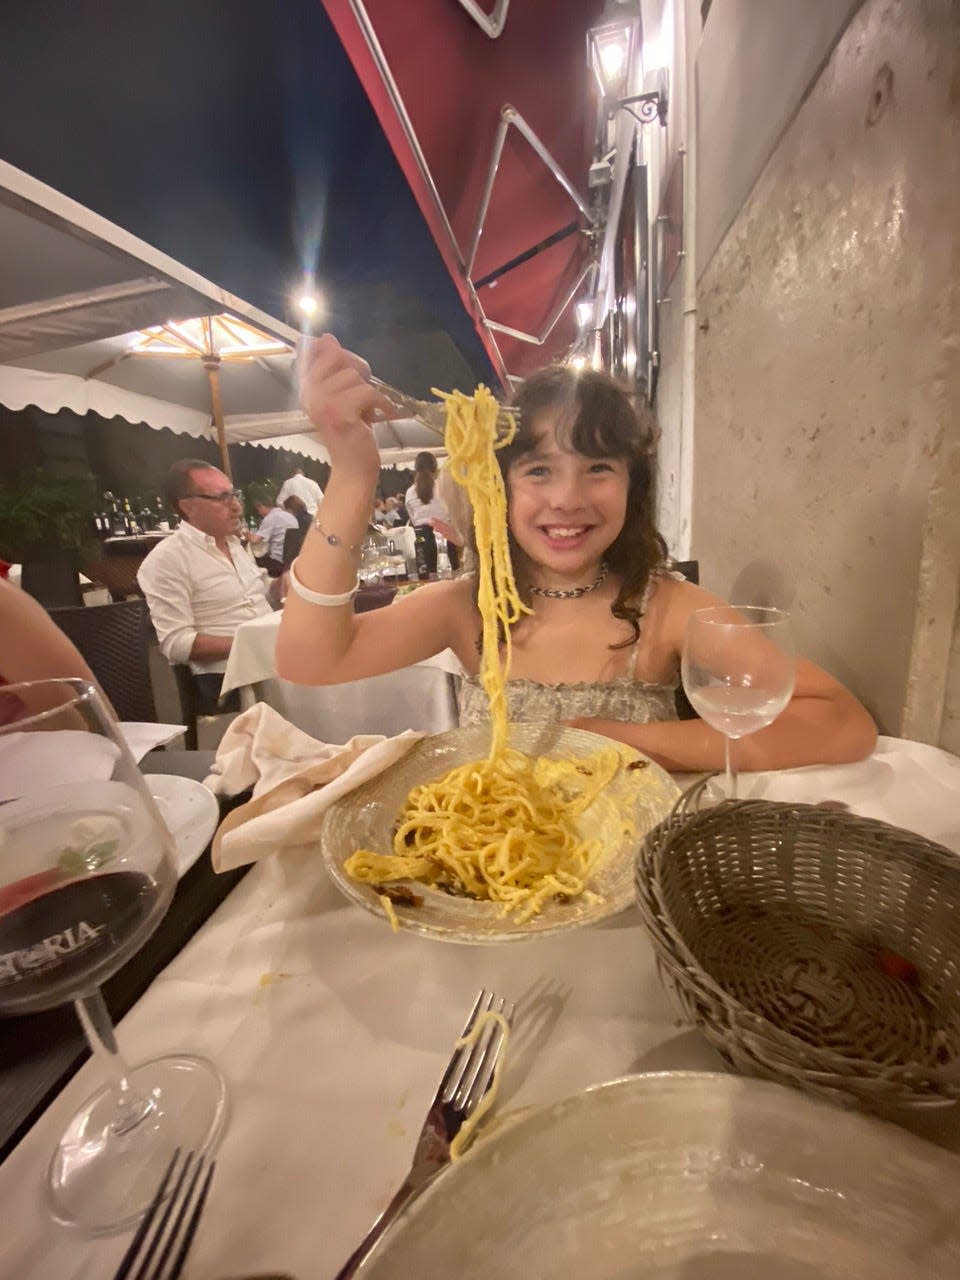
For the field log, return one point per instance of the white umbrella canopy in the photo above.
(399, 440)
(77, 294)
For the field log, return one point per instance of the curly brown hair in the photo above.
(597, 419)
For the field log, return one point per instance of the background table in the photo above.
(114, 562)
(423, 696)
(333, 1034)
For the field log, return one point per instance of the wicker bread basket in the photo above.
(811, 946)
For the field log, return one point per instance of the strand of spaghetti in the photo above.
(471, 440)
(462, 1139)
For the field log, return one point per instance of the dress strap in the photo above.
(648, 591)
(632, 664)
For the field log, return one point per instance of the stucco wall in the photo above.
(752, 65)
(825, 316)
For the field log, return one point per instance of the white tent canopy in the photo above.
(75, 293)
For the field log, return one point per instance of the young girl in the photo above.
(601, 648)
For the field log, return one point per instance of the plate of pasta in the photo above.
(462, 847)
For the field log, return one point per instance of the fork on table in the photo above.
(162, 1241)
(466, 1080)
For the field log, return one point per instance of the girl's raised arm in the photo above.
(321, 641)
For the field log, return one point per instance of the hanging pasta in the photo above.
(499, 829)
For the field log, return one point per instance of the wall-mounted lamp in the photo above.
(611, 48)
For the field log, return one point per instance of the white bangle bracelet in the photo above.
(318, 597)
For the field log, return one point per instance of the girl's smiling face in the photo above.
(565, 509)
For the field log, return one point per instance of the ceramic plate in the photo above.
(685, 1176)
(365, 819)
(189, 810)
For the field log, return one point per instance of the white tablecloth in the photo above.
(333, 1033)
(423, 696)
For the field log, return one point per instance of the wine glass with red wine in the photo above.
(86, 874)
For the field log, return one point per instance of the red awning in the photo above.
(439, 84)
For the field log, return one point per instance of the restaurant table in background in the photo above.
(133, 544)
(116, 560)
(333, 1032)
(423, 696)
(92, 592)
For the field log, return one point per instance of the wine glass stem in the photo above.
(730, 765)
(131, 1107)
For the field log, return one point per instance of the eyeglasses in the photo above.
(228, 495)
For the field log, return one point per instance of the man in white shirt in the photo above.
(271, 533)
(200, 583)
(301, 486)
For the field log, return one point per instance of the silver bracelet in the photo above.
(334, 539)
(318, 597)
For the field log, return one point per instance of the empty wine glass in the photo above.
(86, 874)
(738, 669)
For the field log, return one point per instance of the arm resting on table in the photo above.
(822, 724)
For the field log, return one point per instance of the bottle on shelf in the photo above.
(129, 519)
(117, 526)
(101, 519)
(163, 520)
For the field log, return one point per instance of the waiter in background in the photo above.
(300, 486)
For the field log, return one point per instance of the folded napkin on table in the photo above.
(294, 779)
(142, 737)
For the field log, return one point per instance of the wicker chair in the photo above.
(194, 703)
(113, 639)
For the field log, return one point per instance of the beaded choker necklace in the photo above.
(572, 593)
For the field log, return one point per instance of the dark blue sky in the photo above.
(234, 135)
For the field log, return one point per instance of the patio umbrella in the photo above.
(210, 341)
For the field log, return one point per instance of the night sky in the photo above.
(234, 136)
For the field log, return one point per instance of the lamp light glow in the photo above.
(610, 48)
(612, 57)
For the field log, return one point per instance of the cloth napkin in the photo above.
(294, 779)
